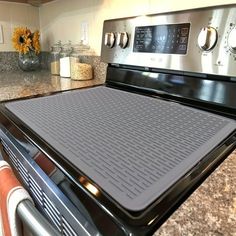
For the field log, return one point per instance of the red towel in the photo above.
(11, 194)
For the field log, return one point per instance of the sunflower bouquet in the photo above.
(24, 41)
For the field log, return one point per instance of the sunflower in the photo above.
(25, 41)
(21, 39)
(35, 42)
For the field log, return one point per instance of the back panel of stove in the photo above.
(195, 41)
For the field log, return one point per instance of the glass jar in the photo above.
(65, 60)
(55, 58)
(80, 71)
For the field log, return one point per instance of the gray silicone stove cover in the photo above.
(133, 146)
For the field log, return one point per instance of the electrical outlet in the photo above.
(84, 32)
(1, 34)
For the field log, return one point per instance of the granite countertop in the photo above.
(20, 84)
(210, 210)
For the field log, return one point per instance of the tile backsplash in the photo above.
(9, 61)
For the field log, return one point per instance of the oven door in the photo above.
(47, 185)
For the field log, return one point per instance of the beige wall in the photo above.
(13, 15)
(61, 20)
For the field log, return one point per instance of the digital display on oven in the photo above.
(169, 39)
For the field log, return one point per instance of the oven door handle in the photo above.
(32, 219)
(35, 222)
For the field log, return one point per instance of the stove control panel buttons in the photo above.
(122, 39)
(207, 38)
(232, 40)
(110, 39)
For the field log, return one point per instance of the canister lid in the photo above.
(67, 46)
(80, 48)
(57, 46)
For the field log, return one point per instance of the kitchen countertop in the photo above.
(20, 84)
(210, 210)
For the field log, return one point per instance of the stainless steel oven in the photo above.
(118, 159)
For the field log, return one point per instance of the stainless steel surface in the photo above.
(207, 38)
(34, 221)
(221, 60)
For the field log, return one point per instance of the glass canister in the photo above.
(65, 60)
(75, 57)
(80, 71)
(55, 58)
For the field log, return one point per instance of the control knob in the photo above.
(232, 40)
(207, 38)
(122, 39)
(110, 39)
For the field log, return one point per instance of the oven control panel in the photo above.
(168, 39)
(194, 41)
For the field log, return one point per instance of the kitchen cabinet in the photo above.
(32, 2)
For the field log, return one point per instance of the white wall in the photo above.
(61, 20)
(14, 15)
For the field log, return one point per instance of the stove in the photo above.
(118, 159)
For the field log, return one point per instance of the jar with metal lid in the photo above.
(55, 58)
(80, 71)
(75, 54)
(65, 60)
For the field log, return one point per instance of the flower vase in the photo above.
(29, 61)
